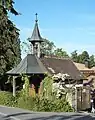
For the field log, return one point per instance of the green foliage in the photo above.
(60, 53)
(26, 89)
(81, 58)
(91, 61)
(8, 5)
(47, 47)
(10, 54)
(26, 47)
(7, 98)
(34, 103)
(25, 102)
(74, 56)
(47, 102)
(9, 43)
(62, 105)
(84, 57)
(44, 104)
(47, 87)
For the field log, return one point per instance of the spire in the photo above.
(36, 18)
(36, 37)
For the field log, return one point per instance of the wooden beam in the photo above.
(76, 100)
(14, 87)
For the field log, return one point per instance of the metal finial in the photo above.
(36, 17)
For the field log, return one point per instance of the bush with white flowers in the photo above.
(59, 87)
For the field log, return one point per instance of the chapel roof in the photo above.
(31, 64)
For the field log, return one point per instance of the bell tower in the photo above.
(36, 39)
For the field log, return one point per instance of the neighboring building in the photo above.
(85, 70)
(88, 84)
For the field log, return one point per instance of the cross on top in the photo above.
(36, 17)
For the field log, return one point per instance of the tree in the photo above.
(26, 48)
(91, 61)
(74, 56)
(60, 53)
(10, 54)
(84, 57)
(80, 58)
(8, 5)
(47, 47)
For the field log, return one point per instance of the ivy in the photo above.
(26, 85)
(47, 87)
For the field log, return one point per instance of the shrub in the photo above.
(6, 98)
(44, 104)
(62, 106)
(34, 103)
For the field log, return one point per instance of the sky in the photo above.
(70, 24)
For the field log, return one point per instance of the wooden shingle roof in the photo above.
(65, 66)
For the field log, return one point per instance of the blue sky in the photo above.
(70, 24)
